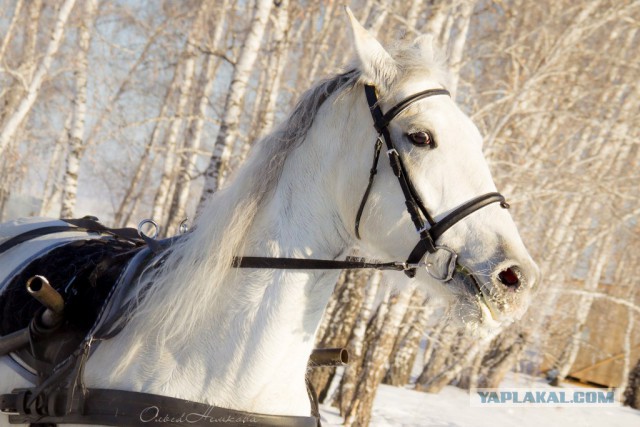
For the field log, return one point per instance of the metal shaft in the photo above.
(329, 357)
(40, 288)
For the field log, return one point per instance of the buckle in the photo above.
(409, 265)
(441, 268)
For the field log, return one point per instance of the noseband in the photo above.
(430, 233)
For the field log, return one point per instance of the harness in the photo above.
(62, 396)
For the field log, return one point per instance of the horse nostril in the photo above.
(509, 277)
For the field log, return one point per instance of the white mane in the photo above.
(201, 263)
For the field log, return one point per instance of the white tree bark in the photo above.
(143, 162)
(356, 343)
(407, 343)
(14, 121)
(163, 194)
(9, 34)
(456, 61)
(277, 63)
(358, 412)
(265, 111)
(178, 211)
(52, 186)
(76, 137)
(218, 165)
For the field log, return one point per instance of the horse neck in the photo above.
(253, 350)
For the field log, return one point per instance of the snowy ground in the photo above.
(401, 407)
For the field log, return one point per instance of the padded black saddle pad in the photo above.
(83, 271)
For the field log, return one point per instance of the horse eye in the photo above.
(421, 138)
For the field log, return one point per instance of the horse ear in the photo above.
(377, 66)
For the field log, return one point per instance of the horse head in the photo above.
(476, 257)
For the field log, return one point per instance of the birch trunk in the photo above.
(12, 25)
(187, 172)
(356, 344)
(76, 137)
(266, 100)
(350, 297)
(52, 187)
(12, 169)
(13, 122)
(492, 365)
(276, 66)
(407, 344)
(163, 194)
(218, 165)
(457, 49)
(358, 412)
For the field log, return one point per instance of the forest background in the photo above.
(128, 110)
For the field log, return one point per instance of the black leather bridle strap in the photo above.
(415, 206)
(405, 103)
(313, 264)
(424, 245)
(372, 175)
(465, 210)
(38, 232)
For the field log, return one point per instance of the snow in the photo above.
(397, 407)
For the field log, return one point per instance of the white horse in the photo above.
(241, 338)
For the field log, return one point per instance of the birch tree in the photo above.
(218, 164)
(12, 122)
(358, 412)
(349, 296)
(76, 134)
(357, 342)
(163, 193)
(405, 348)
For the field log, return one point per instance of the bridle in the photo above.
(428, 229)
(417, 211)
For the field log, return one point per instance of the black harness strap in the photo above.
(381, 121)
(313, 264)
(424, 245)
(95, 226)
(126, 408)
(38, 232)
(76, 225)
